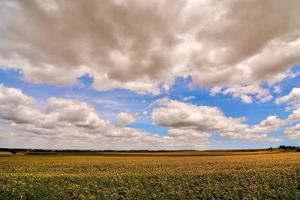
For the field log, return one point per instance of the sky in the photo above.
(157, 75)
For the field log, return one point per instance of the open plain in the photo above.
(151, 175)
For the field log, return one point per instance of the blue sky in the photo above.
(112, 102)
(149, 74)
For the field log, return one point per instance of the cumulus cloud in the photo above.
(205, 119)
(178, 114)
(291, 98)
(245, 93)
(125, 118)
(293, 101)
(17, 107)
(191, 136)
(66, 123)
(14, 97)
(293, 132)
(144, 45)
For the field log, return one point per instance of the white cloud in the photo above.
(246, 99)
(293, 132)
(144, 45)
(76, 112)
(193, 137)
(179, 114)
(66, 123)
(292, 97)
(188, 98)
(277, 89)
(271, 123)
(293, 101)
(245, 93)
(125, 118)
(14, 97)
(205, 119)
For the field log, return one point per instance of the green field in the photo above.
(152, 175)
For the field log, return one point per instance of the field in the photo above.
(164, 175)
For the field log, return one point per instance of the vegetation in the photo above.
(289, 147)
(152, 175)
(148, 152)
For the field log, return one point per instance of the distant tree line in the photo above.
(297, 148)
(16, 150)
(13, 150)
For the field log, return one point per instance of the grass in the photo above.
(161, 175)
(5, 154)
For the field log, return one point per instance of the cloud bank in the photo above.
(232, 47)
(62, 123)
(144, 45)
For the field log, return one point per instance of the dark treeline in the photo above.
(16, 150)
(297, 148)
(13, 151)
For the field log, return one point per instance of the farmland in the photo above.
(151, 175)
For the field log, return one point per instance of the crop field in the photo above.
(173, 175)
